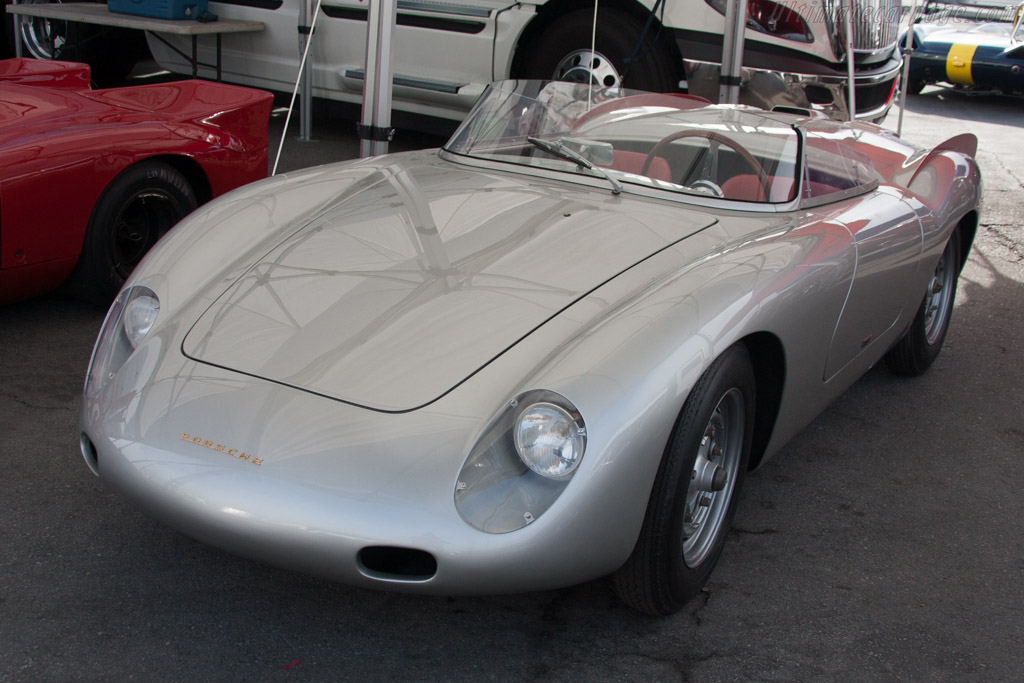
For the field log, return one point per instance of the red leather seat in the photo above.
(747, 187)
(633, 162)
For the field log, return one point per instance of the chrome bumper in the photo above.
(766, 88)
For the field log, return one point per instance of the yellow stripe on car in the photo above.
(958, 63)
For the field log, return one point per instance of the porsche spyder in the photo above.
(545, 353)
(984, 56)
(125, 163)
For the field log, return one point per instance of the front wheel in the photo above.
(920, 346)
(696, 491)
(134, 211)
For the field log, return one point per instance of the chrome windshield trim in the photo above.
(628, 188)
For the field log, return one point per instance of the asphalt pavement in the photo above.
(885, 542)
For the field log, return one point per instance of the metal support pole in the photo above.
(374, 128)
(18, 28)
(907, 55)
(306, 83)
(295, 90)
(850, 82)
(732, 52)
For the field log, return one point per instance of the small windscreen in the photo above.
(673, 142)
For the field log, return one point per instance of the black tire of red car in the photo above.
(682, 535)
(138, 207)
(551, 55)
(110, 52)
(920, 346)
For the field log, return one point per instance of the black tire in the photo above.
(617, 36)
(920, 346)
(134, 211)
(681, 539)
(110, 52)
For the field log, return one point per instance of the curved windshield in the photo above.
(673, 142)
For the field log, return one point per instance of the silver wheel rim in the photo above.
(584, 66)
(720, 448)
(42, 38)
(939, 297)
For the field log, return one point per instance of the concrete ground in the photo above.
(886, 542)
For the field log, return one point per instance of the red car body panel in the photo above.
(61, 144)
(63, 75)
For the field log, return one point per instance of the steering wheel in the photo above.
(762, 177)
(705, 186)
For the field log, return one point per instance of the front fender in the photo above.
(653, 331)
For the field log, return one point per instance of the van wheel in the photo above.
(562, 53)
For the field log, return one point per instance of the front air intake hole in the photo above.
(89, 453)
(397, 564)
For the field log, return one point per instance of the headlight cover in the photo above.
(521, 463)
(139, 315)
(128, 322)
(548, 440)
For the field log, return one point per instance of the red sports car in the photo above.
(90, 179)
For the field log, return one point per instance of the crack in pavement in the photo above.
(1009, 172)
(753, 532)
(705, 598)
(1004, 239)
(31, 406)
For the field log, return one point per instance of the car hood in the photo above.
(990, 35)
(420, 274)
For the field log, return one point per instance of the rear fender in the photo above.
(933, 178)
(228, 116)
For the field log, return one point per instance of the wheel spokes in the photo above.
(939, 296)
(584, 66)
(713, 477)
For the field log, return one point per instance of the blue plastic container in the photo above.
(159, 9)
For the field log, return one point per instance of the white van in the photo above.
(447, 51)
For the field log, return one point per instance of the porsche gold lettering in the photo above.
(221, 448)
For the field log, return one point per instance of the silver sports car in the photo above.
(545, 353)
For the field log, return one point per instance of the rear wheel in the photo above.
(696, 491)
(135, 211)
(562, 52)
(921, 345)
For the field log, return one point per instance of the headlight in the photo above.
(139, 315)
(128, 322)
(521, 463)
(549, 440)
